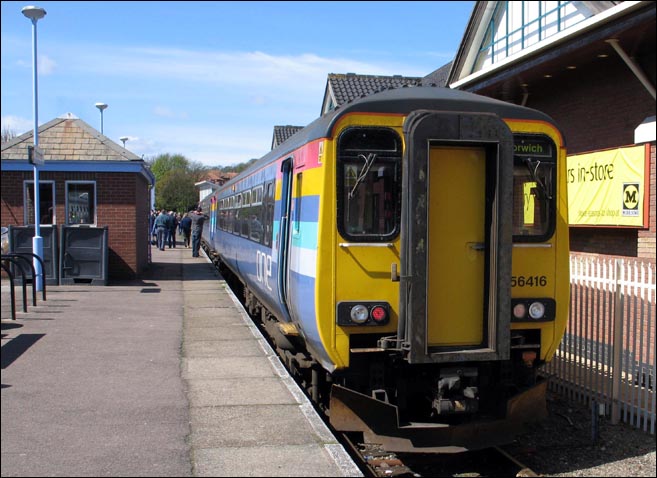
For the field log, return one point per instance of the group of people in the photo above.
(164, 225)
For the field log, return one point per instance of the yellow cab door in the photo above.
(456, 250)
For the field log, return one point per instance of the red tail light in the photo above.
(378, 314)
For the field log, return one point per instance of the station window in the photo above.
(80, 202)
(46, 202)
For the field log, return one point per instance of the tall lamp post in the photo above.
(101, 107)
(35, 14)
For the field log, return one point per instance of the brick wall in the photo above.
(599, 107)
(122, 204)
(646, 241)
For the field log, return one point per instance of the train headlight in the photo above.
(536, 310)
(359, 314)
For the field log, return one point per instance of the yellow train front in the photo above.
(431, 227)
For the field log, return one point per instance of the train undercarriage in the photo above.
(427, 408)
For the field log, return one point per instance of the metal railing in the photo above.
(607, 355)
(21, 262)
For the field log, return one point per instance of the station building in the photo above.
(86, 181)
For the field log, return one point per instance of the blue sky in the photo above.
(210, 80)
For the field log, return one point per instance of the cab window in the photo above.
(369, 178)
(534, 170)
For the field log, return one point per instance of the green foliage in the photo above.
(176, 191)
(175, 176)
(164, 163)
(238, 168)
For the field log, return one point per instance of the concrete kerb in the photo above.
(200, 317)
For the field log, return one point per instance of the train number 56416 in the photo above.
(528, 281)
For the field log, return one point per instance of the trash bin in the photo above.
(83, 255)
(20, 240)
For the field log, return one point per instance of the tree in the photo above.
(175, 176)
(164, 163)
(197, 170)
(7, 134)
(176, 191)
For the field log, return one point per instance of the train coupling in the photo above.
(351, 411)
(455, 395)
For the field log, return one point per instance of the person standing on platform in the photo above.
(198, 218)
(173, 225)
(160, 226)
(151, 226)
(186, 228)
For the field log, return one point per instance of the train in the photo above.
(407, 255)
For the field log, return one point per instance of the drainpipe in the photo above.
(633, 66)
(525, 97)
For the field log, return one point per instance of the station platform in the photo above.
(164, 376)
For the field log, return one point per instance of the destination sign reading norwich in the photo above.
(527, 146)
(606, 188)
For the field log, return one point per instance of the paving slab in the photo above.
(162, 376)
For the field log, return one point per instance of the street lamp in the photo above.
(35, 14)
(101, 107)
(124, 139)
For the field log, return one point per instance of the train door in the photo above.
(456, 245)
(456, 237)
(284, 230)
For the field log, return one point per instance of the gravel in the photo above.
(564, 445)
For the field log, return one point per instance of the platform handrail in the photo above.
(43, 270)
(19, 255)
(12, 293)
(24, 283)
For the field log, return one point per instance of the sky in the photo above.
(209, 80)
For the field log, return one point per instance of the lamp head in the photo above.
(101, 106)
(33, 13)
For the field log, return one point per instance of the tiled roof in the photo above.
(68, 138)
(347, 87)
(218, 177)
(438, 77)
(281, 133)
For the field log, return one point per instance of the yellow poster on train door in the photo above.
(607, 188)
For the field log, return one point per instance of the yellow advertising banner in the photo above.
(607, 188)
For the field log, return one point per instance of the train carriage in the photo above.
(408, 255)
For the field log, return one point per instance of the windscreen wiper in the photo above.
(369, 161)
(532, 166)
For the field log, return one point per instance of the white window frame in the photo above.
(27, 199)
(93, 220)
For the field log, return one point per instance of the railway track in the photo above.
(491, 462)
(375, 461)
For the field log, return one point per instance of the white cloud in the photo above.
(213, 107)
(17, 125)
(163, 111)
(45, 65)
(237, 69)
(212, 145)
